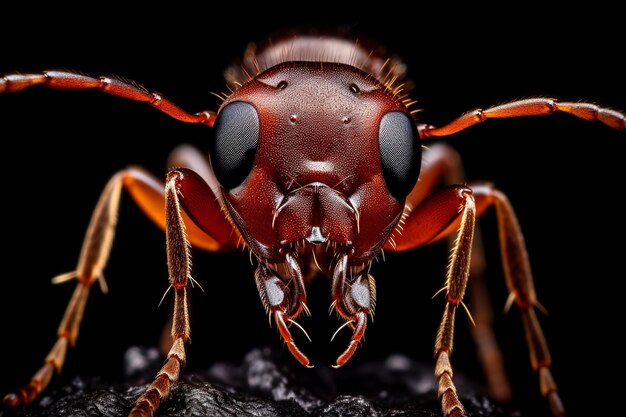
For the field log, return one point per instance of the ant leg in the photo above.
(179, 267)
(148, 193)
(93, 257)
(519, 281)
(442, 164)
(456, 281)
(437, 217)
(453, 208)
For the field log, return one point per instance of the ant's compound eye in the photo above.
(235, 142)
(400, 153)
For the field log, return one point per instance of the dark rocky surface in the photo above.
(265, 384)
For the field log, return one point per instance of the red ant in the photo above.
(313, 167)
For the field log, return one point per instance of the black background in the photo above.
(563, 175)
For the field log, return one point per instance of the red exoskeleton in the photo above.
(313, 166)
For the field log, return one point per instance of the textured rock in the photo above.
(265, 385)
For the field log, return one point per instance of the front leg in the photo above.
(456, 282)
(452, 209)
(179, 266)
(148, 193)
(450, 206)
(440, 163)
(439, 216)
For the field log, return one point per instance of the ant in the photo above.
(313, 167)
